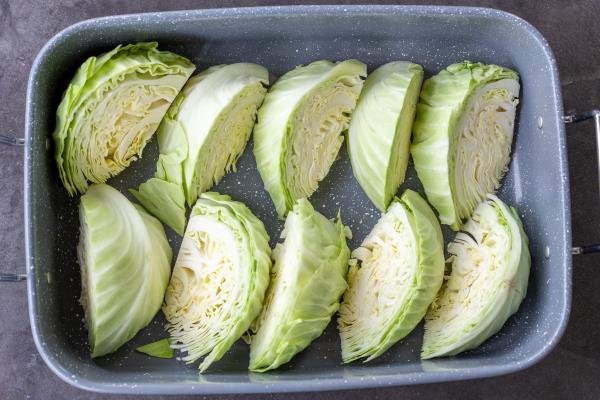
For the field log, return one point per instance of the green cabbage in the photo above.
(307, 280)
(125, 264)
(203, 134)
(462, 136)
(379, 133)
(300, 127)
(111, 109)
(219, 280)
(393, 278)
(490, 269)
(160, 349)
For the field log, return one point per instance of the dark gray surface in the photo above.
(570, 369)
(280, 38)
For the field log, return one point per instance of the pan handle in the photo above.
(11, 141)
(12, 277)
(595, 115)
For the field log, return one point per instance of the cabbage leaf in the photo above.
(159, 349)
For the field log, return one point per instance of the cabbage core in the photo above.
(482, 145)
(317, 135)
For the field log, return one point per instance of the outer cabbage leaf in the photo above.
(300, 127)
(125, 264)
(202, 136)
(111, 109)
(393, 278)
(219, 280)
(159, 349)
(490, 270)
(307, 281)
(380, 129)
(462, 136)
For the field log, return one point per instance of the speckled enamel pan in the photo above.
(280, 38)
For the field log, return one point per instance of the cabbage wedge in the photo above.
(307, 281)
(490, 270)
(393, 278)
(380, 129)
(219, 280)
(462, 136)
(125, 262)
(300, 127)
(201, 138)
(111, 109)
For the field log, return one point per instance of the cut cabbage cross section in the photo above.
(490, 270)
(219, 280)
(125, 262)
(393, 278)
(308, 278)
(380, 129)
(201, 138)
(462, 136)
(300, 127)
(111, 109)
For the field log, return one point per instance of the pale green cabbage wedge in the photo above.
(201, 138)
(462, 136)
(380, 129)
(490, 270)
(307, 281)
(125, 264)
(111, 109)
(393, 278)
(300, 127)
(219, 280)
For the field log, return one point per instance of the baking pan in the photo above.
(280, 38)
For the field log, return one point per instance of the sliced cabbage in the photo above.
(201, 138)
(462, 136)
(393, 278)
(490, 269)
(379, 133)
(300, 127)
(125, 262)
(111, 109)
(219, 280)
(308, 278)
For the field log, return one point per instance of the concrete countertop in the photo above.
(571, 371)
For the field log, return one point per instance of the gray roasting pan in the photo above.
(280, 38)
